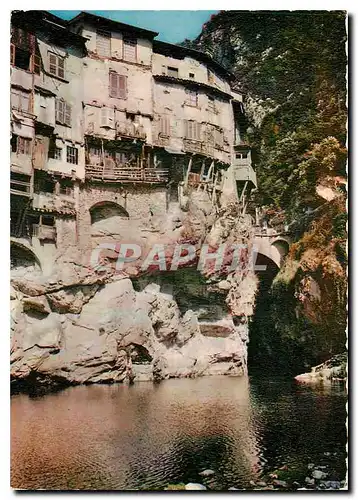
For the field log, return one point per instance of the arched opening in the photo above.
(107, 218)
(261, 327)
(23, 260)
(282, 246)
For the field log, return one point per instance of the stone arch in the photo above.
(107, 209)
(282, 245)
(23, 258)
(107, 218)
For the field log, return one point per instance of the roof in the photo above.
(37, 20)
(193, 84)
(104, 22)
(179, 51)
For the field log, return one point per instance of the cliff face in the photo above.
(87, 324)
(292, 66)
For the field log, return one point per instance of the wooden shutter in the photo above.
(67, 114)
(60, 112)
(61, 67)
(117, 85)
(129, 49)
(35, 64)
(122, 86)
(103, 43)
(113, 84)
(165, 125)
(12, 54)
(39, 155)
(52, 64)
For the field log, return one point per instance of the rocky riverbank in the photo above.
(84, 325)
(333, 369)
(310, 477)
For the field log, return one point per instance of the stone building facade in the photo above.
(109, 123)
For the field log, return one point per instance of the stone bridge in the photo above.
(272, 244)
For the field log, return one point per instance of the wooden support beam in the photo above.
(188, 172)
(201, 174)
(210, 173)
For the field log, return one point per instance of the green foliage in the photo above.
(292, 68)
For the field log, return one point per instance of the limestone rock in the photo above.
(195, 486)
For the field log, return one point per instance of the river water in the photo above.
(146, 436)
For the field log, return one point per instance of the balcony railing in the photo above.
(20, 187)
(43, 232)
(132, 130)
(120, 174)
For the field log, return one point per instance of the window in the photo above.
(55, 153)
(107, 117)
(129, 49)
(56, 65)
(173, 72)
(241, 156)
(20, 100)
(117, 85)
(211, 103)
(191, 76)
(22, 58)
(20, 145)
(72, 155)
(191, 98)
(192, 130)
(47, 220)
(103, 43)
(65, 187)
(63, 112)
(164, 126)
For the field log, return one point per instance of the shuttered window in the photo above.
(107, 117)
(192, 130)
(191, 98)
(103, 43)
(23, 146)
(211, 103)
(129, 49)
(20, 100)
(164, 125)
(117, 85)
(56, 65)
(63, 112)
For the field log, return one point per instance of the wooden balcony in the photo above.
(243, 171)
(193, 146)
(43, 232)
(120, 174)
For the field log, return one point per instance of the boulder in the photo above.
(195, 486)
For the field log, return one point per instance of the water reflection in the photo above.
(146, 436)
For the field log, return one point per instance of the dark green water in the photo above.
(146, 436)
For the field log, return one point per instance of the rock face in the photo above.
(85, 326)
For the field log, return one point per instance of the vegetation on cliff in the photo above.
(291, 66)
